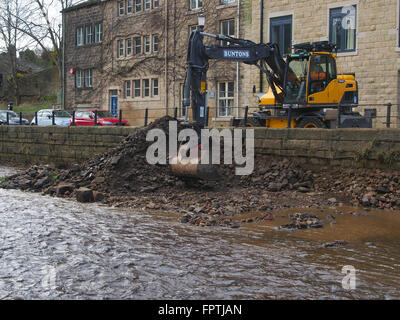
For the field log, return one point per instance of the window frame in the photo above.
(153, 80)
(154, 2)
(197, 4)
(120, 50)
(145, 4)
(128, 47)
(330, 27)
(282, 20)
(129, 6)
(128, 89)
(224, 43)
(148, 88)
(135, 88)
(121, 9)
(88, 78)
(78, 72)
(155, 43)
(138, 46)
(226, 98)
(88, 35)
(146, 46)
(98, 33)
(138, 6)
(81, 37)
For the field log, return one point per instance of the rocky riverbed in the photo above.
(123, 178)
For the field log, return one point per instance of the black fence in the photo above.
(385, 114)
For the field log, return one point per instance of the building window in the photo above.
(343, 27)
(147, 4)
(196, 4)
(120, 48)
(146, 88)
(89, 35)
(281, 33)
(127, 89)
(136, 89)
(138, 45)
(128, 47)
(155, 87)
(228, 29)
(98, 31)
(225, 99)
(78, 79)
(147, 44)
(88, 78)
(227, 1)
(121, 8)
(138, 5)
(129, 6)
(155, 43)
(155, 4)
(79, 36)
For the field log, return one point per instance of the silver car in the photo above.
(45, 118)
(13, 118)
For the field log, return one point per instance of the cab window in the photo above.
(322, 72)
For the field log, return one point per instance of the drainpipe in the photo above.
(237, 64)
(261, 39)
(63, 63)
(166, 56)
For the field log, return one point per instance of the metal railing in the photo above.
(387, 114)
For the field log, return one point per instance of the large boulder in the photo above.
(84, 195)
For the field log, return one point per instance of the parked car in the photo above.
(13, 118)
(104, 118)
(45, 118)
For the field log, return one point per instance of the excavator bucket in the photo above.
(191, 167)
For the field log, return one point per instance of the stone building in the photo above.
(130, 54)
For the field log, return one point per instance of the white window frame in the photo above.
(79, 36)
(120, 48)
(88, 78)
(138, 6)
(230, 35)
(78, 79)
(155, 43)
(128, 88)
(156, 4)
(121, 8)
(88, 34)
(147, 46)
(144, 81)
(135, 88)
(227, 98)
(146, 5)
(128, 47)
(129, 6)
(98, 33)
(338, 5)
(153, 87)
(196, 4)
(136, 46)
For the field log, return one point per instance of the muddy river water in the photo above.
(54, 248)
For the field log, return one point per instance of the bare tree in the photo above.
(11, 12)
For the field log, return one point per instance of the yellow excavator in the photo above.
(313, 94)
(305, 90)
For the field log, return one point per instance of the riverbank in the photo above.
(122, 177)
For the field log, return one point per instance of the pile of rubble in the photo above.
(303, 221)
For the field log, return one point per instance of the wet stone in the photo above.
(84, 195)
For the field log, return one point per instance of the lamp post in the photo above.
(201, 21)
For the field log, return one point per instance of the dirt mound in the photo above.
(124, 171)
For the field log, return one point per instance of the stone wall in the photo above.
(56, 144)
(341, 147)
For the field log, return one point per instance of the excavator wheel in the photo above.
(311, 122)
(251, 122)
